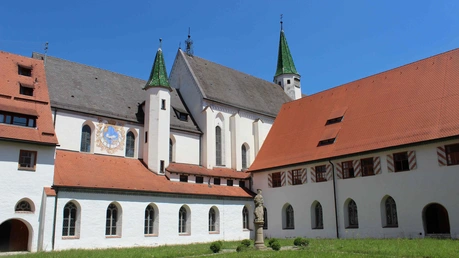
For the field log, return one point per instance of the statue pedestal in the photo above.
(259, 239)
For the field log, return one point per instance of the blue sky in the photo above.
(332, 42)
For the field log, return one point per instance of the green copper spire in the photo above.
(285, 63)
(158, 75)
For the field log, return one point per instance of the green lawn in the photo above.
(317, 248)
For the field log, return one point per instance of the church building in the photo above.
(97, 159)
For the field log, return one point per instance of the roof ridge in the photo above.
(85, 65)
(386, 71)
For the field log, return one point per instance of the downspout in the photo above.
(54, 221)
(334, 198)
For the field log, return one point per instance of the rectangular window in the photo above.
(199, 180)
(367, 167)
(401, 162)
(216, 181)
(27, 159)
(25, 71)
(25, 90)
(146, 137)
(163, 104)
(183, 178)
(241, 183)
(348, 169)
(229, 182)
(452, 154)
(321, 173)
(296, 177)
(161, 166)
(277, 181)
(17, 119)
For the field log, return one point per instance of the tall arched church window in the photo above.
(290, 217)
(391, 213)
(245, 218)
(70, 217)
(130, 144)
(182, 220)
(111, 220)
(353, 216)
(265, 218)
(319, 216)
(244, 156)
(149, 220)
(85, 139)
(171, 146)
(212, 220)
(218, 146)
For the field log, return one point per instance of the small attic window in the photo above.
(25, 71)
(326, 142)
(288, 81)
(25, 90)
(182, 116)
(334, 120)
(163, 104)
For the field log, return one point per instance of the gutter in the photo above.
(334, 198)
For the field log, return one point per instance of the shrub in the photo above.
(241, 248)
(271, 241)
(246, 242)
(300, 241)
(276, 245)
(216, 246)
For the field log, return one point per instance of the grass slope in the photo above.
(317, 248)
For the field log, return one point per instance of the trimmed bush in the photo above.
(216, 246)
(246, 242)
(271, 241)
(300, 241)
(241, 248)
(276, 245)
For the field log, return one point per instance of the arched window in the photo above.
(244, 156)
(213, 220)
(23, 206)
(111, 220)
(85, 139)
(319, 218)
(265, 218)
(182, 220)
(171, 150)
(130, 144)
(391, 213)
(290, 218)
(70, 219)
(245, 218)
(149, 220)
(218, 146)
(353, 218)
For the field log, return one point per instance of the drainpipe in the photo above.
(334, 198)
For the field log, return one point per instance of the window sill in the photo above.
(70, 237)
(26, 169)
(321, 181)
(246, 229)
(397, 171)
(184, 234)
(24, 212)
(112, 236)
(288, 228)
(317, 228)
(452, 164)
(390, 227)
(368, 175)
(348, 177)
(214, 233)
(151, 235)
(352, 227)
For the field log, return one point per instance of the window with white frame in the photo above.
(149, 220)
(69, 224)
(85, 145)
(183, 221)
(213, 220)
(27, 160)
(111, 226)
(130, 144)
(218, 146)
(391, 213)
(245, 218)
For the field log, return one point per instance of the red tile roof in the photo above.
(49, 191)
(414, 103)
(83, 170)
(199, 170)
(36, 105)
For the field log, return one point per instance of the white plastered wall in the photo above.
(93, 211)
(186, 147)
(411, 190)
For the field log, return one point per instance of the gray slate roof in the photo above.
(87, 89)
(225, 85)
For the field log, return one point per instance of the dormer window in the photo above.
(182, 116)
(334, 120)
(24, 71)
(25, 90)
(17, 119)
(326, 142)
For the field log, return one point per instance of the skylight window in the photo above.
(334, 120)
(326, 142)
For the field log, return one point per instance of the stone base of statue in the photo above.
(259, 238)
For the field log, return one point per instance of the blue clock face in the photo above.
(110, 136)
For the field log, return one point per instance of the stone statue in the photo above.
(259, 212)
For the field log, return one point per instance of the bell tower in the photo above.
(286, 75)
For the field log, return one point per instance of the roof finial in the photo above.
(189, 44)
(160, 43)
(281, 22)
